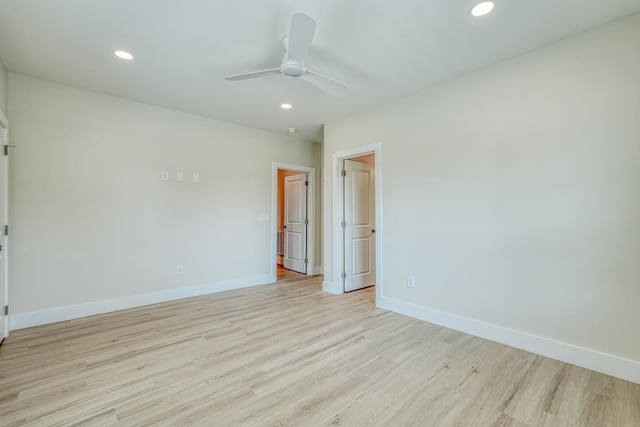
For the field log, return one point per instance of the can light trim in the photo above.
(482, 9)
(122, 54)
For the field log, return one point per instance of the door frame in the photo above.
(4, 219)
(311, 215)
(336, 216)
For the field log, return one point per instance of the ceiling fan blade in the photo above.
(301, 32)
(253, 75)
(325, 83)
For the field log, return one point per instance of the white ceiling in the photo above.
(184, 49)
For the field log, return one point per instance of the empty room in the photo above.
(316, 213)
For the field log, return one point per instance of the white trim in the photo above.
(317, 271)
(59, 314)
(591, 359)
(337, 249)
(311, 214)
(4, 219)
(331, 288)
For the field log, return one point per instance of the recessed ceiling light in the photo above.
(286, 106)
(482, 9)
(123, 55)
(291, 130)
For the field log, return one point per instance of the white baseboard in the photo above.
(59, 314)
(331, 288)
(609, 364)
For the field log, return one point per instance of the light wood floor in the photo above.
(289, 354)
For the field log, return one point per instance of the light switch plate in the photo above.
(180, 176)
(196, 178)
(264, 216)
(411, 282)
(164, 175)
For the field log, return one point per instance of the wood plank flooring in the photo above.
(289, 354)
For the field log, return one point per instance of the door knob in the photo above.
(373, 230)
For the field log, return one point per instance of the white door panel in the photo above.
(359, 226)
(295, 222)
(4, 164)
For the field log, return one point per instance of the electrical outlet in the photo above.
(411, 282)
(180, 176)
(196, 178)
(180, 270)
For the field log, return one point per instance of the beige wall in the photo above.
(92, 219)
(4, 89)
(512, 194)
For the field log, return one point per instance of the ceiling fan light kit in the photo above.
(296, 45)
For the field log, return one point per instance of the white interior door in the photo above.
(4, 163)
(295, 222)
(359, 226)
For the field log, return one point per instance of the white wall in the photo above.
(4, 89)
(91, 218)
(512, 194)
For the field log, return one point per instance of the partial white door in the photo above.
(359, 226)
(295, 222)
(4, 163)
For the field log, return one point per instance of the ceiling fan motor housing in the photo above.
(292, 69)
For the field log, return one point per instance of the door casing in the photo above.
(337, 249)
(311, 215)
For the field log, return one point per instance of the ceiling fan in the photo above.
(297, 44)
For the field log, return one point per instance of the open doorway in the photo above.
(354, 254)
(293, 224)
(293, 220)
(358, 222)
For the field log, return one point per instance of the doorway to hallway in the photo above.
(293, 220)
(358, 222)
(368, 257)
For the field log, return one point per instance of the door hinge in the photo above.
(344, 173)
(344, 275)
(306, 183)
(6, 310)
(6, 230)
(306, 222)
(344, 224)
(306, 260)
